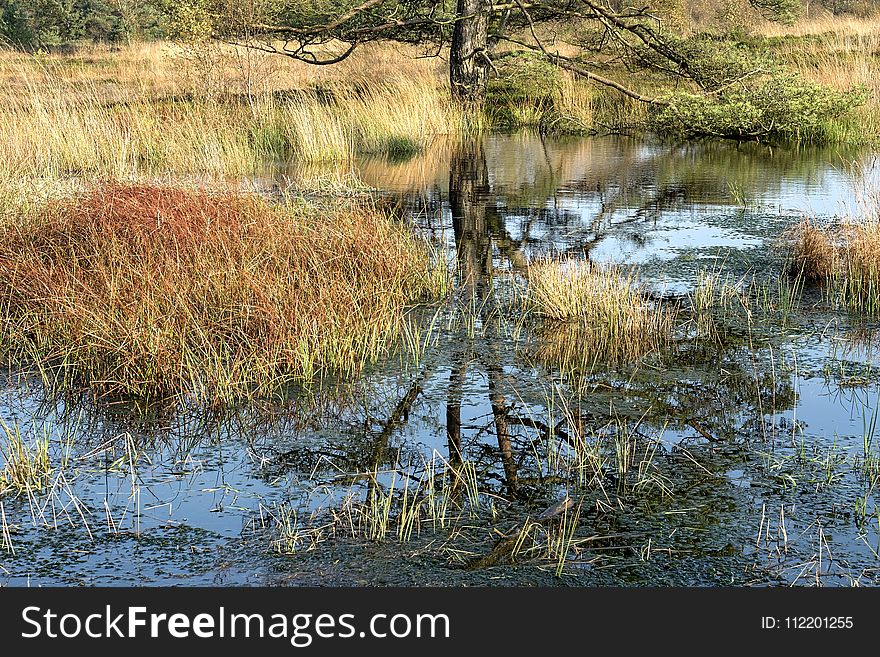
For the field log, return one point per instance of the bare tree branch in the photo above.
(570, 65)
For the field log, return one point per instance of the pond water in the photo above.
(751, 463)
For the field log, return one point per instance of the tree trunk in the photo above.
(468, 58)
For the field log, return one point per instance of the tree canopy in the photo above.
(477, 33)
(38, 23)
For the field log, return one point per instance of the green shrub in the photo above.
(778, 107)
(32, 24)
(714, 63)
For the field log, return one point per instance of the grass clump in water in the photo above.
(153, 291)
(26, 467)
(812, 252)
(846, 256)
(594, 314)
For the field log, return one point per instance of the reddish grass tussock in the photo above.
(143, 289)
(813, 251)
(845, 255)
(156, 215)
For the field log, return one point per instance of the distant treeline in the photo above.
(46, 23)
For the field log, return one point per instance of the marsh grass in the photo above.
(620, 447)
(844, 256)
(441, 509)
(553, 541)
(781, 296)
(27, 467)
(142, 290)
(35, 479)
(870, 464)
(150, 109)
(396, 504)
(56, 135)
(592, 314)
(455, 510)
(722, 305)
(153, 109)
(717, 298)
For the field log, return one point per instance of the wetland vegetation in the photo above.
(390, 322)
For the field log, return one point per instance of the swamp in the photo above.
(269, 323)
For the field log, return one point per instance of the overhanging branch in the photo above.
(569, 65)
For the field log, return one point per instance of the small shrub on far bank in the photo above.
(781, 107)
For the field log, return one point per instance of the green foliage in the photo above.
(189, 20)
(744, 93)
(559, 124)
(784, 11)
(198, 20)
(523, 89)
(193, 20)
(25, 23)
(715, 63)
(14, 26)
(778, 107)
(39, 23)
(142, 19)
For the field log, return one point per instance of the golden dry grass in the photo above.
(594, 314)
(847, 26)
(845, 255)
(161, 290)
(842, 53)
(147, 110)
(163, 69)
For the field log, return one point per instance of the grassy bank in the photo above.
(841, 53)
(158, 290)
(151, 109)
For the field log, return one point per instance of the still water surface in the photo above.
(184, 496)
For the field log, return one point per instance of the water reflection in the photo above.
(679, 453)
(527, 169)
(629, 200)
